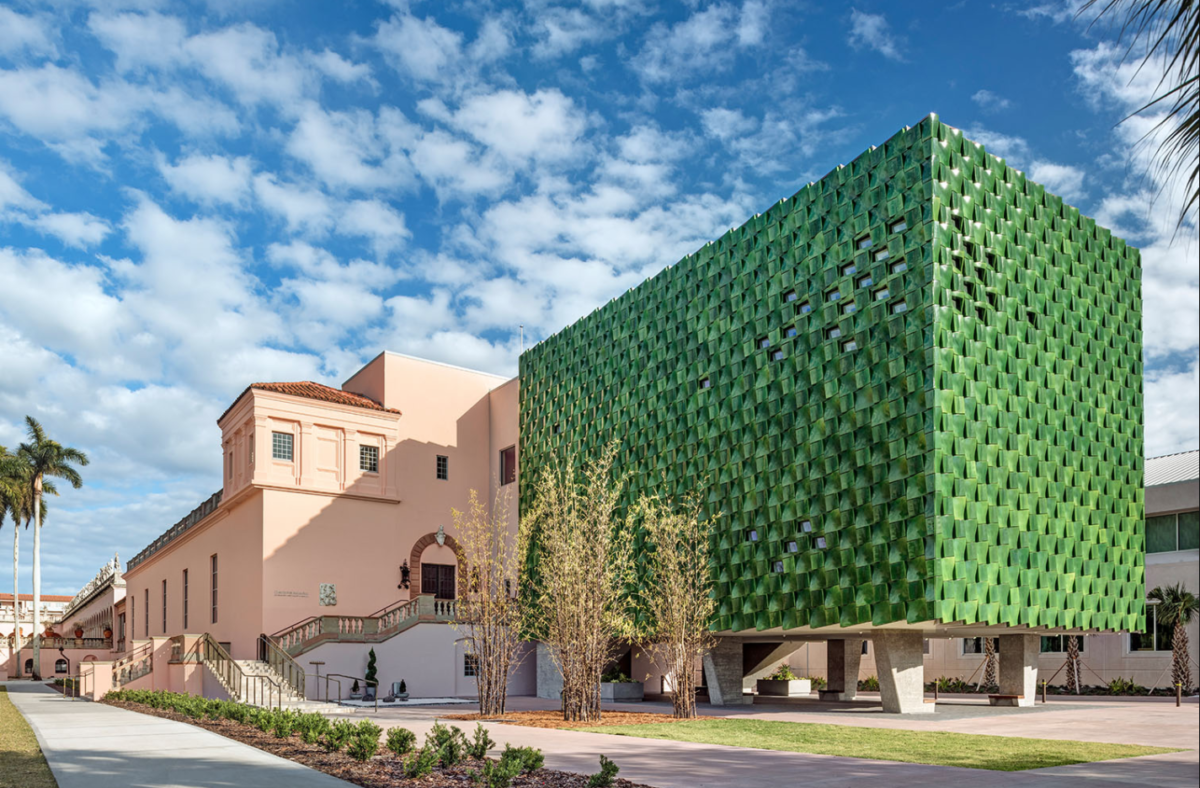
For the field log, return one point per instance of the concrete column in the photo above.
(842, 660)
(723, 671)
(549, 678)
(900, 657)
(1019, 669)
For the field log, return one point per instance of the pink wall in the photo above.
(234, 534)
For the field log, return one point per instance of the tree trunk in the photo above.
(37, 577)
(1181, 671)
(989, 657)
(16, 597)
(1073, 665)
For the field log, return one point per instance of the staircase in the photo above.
(377, 627)
(250, 681)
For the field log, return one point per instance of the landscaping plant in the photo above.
(371, 677)
(577, 559)
(488, 614)
(364, 743)
(604, 778)
(337, 736)
(420, 763)
(677, 595)
(783, 673)
(1176, 608)
(525, 759)
(480, 743)
(401, 741)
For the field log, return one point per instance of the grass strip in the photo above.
(936, 748)
(22, 764)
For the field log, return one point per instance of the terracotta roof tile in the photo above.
(311, 390)
(29, 598)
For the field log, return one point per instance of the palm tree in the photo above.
(1176, 607)
(11, 490)
(1169, 29)
(44, 457)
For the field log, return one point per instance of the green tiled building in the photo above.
(912, 391)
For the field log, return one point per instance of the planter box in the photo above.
(781, 688)
(624, 692)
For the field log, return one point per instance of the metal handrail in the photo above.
(231, 675)
(356, 678)
(338, 681)
(286, 667)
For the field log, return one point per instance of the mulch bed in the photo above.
(382, 771)
(553, 719)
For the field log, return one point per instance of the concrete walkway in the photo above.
(90, 745)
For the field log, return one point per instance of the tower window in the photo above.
(899, 306)
(882, 294)
(790, 296)
(882, 254)
(281, 446)
(777, 355)
(443, 467)
(865, 281)
(779, 567)
(849, 308)
(752, 535)
(764, 342)
(833, 295)
(899, 266)
(899, 227)
(865, 243)
(803, 308)
(849, 270)
(806, 526)
(792, 547)
(705, 383)
(790, 331)
(833, 333)
(555, 429)
(849, 345)
(821, 542)
(368, 459)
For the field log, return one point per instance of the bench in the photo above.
(1005, 700)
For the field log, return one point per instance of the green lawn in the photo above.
(998, 753)
(21, 762)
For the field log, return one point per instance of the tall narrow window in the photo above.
(164, 597)
(146, 614)
(185, 601)
(443, 467)
(281, 446)
(368, 459)
(214, 587)
(508, 465)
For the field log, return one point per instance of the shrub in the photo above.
(869, 684)
(284, 724)
(450, 743)
(783, 673)
(420, 763)
(496, 774)
(311, 727)
(339, 733)
(817, 682)
(365, 741)
(401, 741)
(604, 777)
(525, 759)
(481, 743)
(615, 676)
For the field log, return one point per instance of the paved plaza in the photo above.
(89, 745)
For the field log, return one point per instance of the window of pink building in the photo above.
(508, 465)
(146, 615)
(214, 588)
(164, 597)
(185, 600)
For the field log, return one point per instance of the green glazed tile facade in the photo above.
(912, 390)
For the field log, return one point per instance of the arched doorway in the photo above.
(434, 565)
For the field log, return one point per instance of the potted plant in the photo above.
(107, 633)
(78, 631)
(616, 687)
(355, 691)
(783, 683)
(402, 691)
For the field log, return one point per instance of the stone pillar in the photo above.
(723, 671)
(1019, 669)
(549, 678)
(900, 658)
(842, 660)
(95, 679)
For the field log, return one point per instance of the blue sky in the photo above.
(196, 197)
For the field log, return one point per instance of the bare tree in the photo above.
(578, 568)
(488, 611)
(678, 598)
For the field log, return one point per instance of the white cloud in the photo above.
(872, 31)
(348, 150)
(563, 30)
(248, 61)
(13, 194)
(20, 34)
(989, 101)
(752, 24)
(421, 48)
(726, 124)
(79, 230)
(140, 41)
(698, 45)
(376, 221)
(1061, 179)
(304, 210)
(338, 68)
(210, 180)
(1172, 409)
(545, 126)
(454, 167)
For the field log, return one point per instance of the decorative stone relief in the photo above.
(328, 596)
